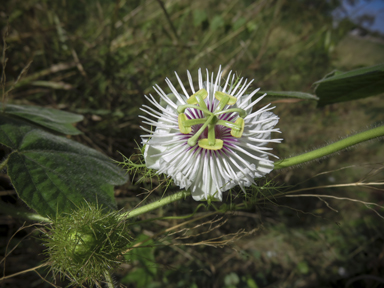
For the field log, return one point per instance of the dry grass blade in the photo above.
(213, 225)
(53, 69)
(170, 229)
(220, 241)
(24, 271)
(355, 184)
(168, 19)
(367, 204)
(45, 280)
(14, 234)
(53, 85)
(4, 64)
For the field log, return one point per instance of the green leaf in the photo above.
(288, 94)
(199, 16)
(251, 283)
(145, 272)
(303, 267)
(145, 254)
(12, 130)
(217, 22)
(239, 23)
(345, 86)
(53, 174)
(57, 120)
(231, 280)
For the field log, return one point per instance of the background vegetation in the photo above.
(99, 58)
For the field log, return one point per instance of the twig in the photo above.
(46, 280)
(342, 198)
(168, 19)
(361, 277)
(21, 213)
(357, 184)
(170, 229)
(6, 248)
(264, 45)
(78, 63)
(24, 271)
(4, 64)
(326, 203)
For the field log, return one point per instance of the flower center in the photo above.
(210, 119)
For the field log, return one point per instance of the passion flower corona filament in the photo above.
(209, 140)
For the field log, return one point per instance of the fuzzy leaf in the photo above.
(345, 86)
(57, 120)
(53, 174)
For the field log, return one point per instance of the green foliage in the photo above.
(339, 86)
(53, 174)
(144, 259)
(85, 244)
(135, 166)
(198, 17)
(216, 23)
(125, 47)
(53, 119)
(303, 267)
(231, 280)
(251, 283)
(346, 86)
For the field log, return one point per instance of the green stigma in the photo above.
(210, 120)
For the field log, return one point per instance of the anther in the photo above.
(237, 132)
(202, 94)
(182, 118)
(221, 96)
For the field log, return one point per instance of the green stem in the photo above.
(332, 148)
(229, 124)
(13, 211)
(108, 279)
(240, 111)
(192, 122)
(154, 205)
(211, 135)
(2, 164)
(202, 104)
(222, 104)
(182, 108)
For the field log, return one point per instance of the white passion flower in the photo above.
(209, 140)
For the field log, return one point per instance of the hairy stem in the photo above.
(154, 205)
(108, 279)
(182, 108)
(13, 211)
(331, 148)
(2, 164)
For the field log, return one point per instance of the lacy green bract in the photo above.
(84, 245)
